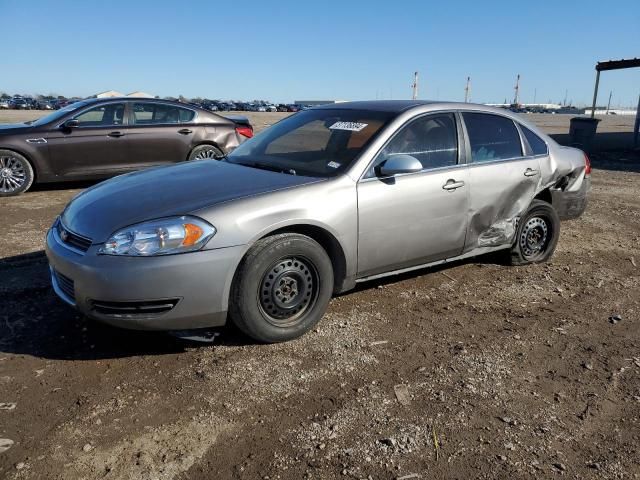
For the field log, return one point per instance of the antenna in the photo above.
(414, 86)
(609, 104)
(517, 89)
(467, 90)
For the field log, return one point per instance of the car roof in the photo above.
(394, 106)
(400, 106)
(90, 101)
(137, 99)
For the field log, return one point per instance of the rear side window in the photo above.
(538, 146)
(158, 113)
(492, 137)
(186, 115)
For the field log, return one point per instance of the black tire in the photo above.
(537, 234)
(281, 288)
(203, 152)
(16, 173)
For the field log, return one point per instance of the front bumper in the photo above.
(192, 287)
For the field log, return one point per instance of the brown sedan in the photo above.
(100, 138)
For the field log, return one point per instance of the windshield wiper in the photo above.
(29, 122)
(266, 166)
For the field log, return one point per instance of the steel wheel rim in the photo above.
(534, 238)
(209, 153)
(288, 290)
(13, 175)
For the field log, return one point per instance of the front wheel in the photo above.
(203, 152)
(537, 234)
(282, 288)
(16, 174)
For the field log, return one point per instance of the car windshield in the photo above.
(317, 143)
(58, 114)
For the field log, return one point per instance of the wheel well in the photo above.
(330, 245)
(33, 165)
(544, 195)
(213, 144)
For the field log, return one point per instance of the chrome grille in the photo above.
(73, 240)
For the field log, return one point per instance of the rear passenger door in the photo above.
(159, 133)
(503, 178)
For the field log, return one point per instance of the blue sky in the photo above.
(292, 50)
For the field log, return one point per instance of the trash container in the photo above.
(582, 131)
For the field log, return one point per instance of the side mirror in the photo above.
(397, 164)
(69, 124)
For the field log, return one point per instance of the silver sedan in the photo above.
(322, 200)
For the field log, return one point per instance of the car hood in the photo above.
(166, 191)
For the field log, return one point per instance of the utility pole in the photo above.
(566, 93)
(414, 86)
(517, 89)
(467, 90)
(609, 104)
(535, 93)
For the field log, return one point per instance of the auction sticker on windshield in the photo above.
(350, 126)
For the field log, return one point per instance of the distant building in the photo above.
(108, 94)
(626, 111)
(139, 94)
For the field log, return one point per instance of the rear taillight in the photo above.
(587, 165)
(245, 131)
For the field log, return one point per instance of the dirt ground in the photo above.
(474, 371)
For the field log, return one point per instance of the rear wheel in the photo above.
(203, 152)
(16, 174)
(537, 234)
(282, 288)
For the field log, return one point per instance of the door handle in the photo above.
(451, 185)
(116, 134)
(185, 131)
(530, 172)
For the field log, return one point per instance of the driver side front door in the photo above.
(416, 218)
(97, 146)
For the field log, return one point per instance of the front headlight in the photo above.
(159, 237)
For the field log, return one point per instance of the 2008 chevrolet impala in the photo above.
(326, 198)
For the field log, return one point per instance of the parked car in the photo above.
(211, 106)
(282, 107)
(267, 235)
(104, 137)
(292, 108)
(43, 105)
(19, 104)
(271, 108)
(4, 104)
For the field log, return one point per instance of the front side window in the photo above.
(538, 146)
(158, 113)
(319, 143)
(102, 115)
(492, 137)
(432, 140)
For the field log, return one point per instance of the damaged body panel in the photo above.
(342, 193)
